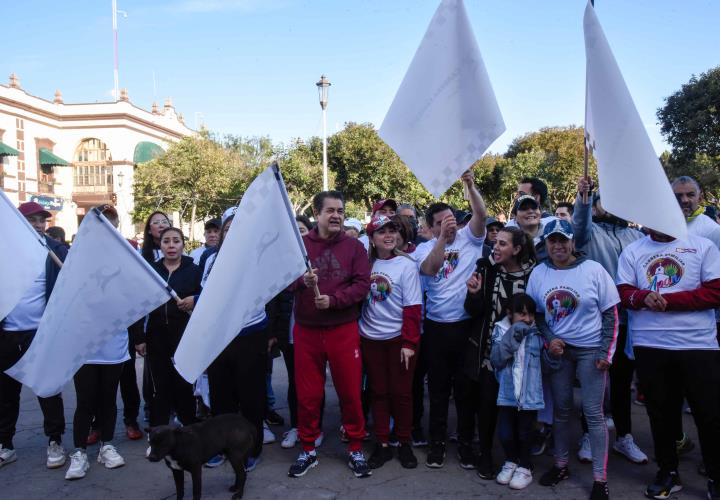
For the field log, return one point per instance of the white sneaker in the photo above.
(147, 452)
(7, 456)
(109, 457)
(78, 465)
(268, 436)
(610, 423)
(626, 446)
(521, 478)
(584, 453)
(55, 455)
(289, 438)
(506, 473)
(319, 440)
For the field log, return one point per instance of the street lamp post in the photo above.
(322, 86)
(115, 12)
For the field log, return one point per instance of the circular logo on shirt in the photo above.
(380, 289)
(560, 304)
(663, 272)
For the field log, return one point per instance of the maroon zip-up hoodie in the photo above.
(343, 270)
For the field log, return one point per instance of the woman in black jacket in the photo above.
(164, 331)
(496, 279)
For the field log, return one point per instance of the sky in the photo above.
(249, 67)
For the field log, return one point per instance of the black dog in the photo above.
(188, 448)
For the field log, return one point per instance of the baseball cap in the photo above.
(216, 223)
(32, 208)
(525, 199)
(559, 226)
(353, 223)
(462, 216)
(377, 222)
(492, 220)
(381, 203)
(230, 212)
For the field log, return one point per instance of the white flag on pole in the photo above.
(444, 115)
(633, 184)
(261, 255)
(104, 287)
(22, 255)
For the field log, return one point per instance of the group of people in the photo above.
(505, 319)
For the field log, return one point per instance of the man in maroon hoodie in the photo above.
(327, 308)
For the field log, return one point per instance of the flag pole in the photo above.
(586, 169)
(291, 215)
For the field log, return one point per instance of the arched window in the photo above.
(92, 165)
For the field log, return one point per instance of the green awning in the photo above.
(48, 158)
(6, 150)
(146, 151)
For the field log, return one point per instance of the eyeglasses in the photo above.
(160, 222)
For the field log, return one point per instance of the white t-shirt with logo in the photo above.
(704, 226)
(446, 290)
(573, 300)
(394, 284)
(676, 266)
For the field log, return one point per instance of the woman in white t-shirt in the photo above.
(577, 315)
(390, 332)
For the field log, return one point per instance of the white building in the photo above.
(71, 157)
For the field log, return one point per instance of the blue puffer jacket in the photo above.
(506, 342)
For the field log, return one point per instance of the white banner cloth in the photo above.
(633, 184)
(259, 258)
(104, 286)
(444, 115)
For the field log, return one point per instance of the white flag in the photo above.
(104, 287)
(22, 255)
(444, 115)
(633, 184)
(261, 255)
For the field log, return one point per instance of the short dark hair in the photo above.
(319, 199)
(433, 209)
(522, 302)
(537, 187)
(566, 204)
(305, 221)
(56, 233)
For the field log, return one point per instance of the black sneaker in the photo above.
(379, 456)
(665, 484)
(418, 438)
(485, 468)
(304, 462)
(436, 455)
(466, 456)
(358, 464)
(406, 456)
(713, 490)
(554, 476)
(540, 440)
(272, 418)
(600, 491)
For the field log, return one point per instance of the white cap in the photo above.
(228, 213)
(354, 224)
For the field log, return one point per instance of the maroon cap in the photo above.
(31, 208)
(379, 221)
(381, 203)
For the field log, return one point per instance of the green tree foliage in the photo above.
(301, 166)
(690, 121)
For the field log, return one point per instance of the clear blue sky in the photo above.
(249, 66)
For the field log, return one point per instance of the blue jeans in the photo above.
(580, 362)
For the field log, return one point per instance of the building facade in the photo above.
(72, 157)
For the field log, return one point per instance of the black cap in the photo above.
(213, 223)
(462, 216)
(492, 220)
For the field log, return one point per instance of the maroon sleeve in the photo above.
(359, 285)
(410, 331)
(705, 297)
(632, 297)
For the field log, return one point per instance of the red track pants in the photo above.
(314, 347)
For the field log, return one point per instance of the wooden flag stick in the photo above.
(585, 173)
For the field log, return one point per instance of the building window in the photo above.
(92, 166)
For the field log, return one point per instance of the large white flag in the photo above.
(261, 255)
(104, 286)
(444, 115)
(22, 255)
(633, 184)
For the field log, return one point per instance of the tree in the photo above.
(301, 166)
(690, 121)
(194, 177)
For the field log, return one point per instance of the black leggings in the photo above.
(129, 391)
(171, 391)
(96, 388)
(237, 381)
(515, 430)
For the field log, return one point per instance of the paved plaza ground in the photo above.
(28, 479)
